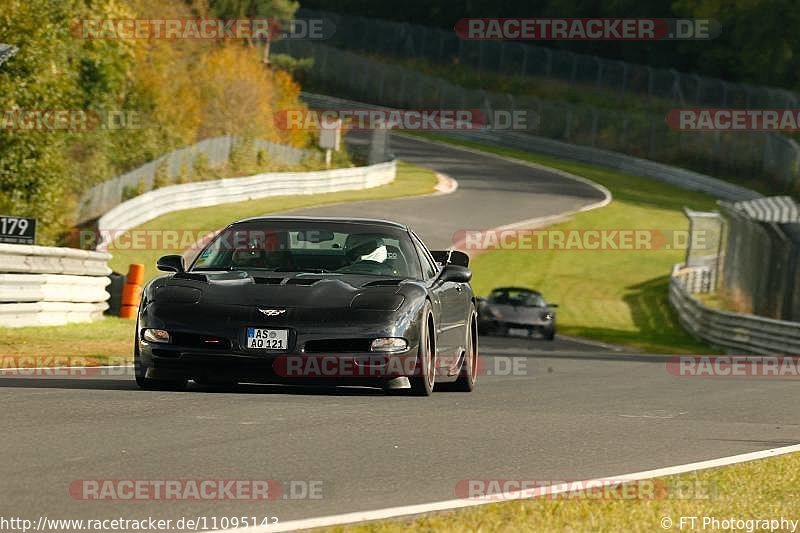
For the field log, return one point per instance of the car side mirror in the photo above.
(456, 273)
(552, 305)
(171, 263)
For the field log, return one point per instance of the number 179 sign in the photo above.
(17, 230)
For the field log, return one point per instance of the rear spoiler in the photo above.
(450, 257)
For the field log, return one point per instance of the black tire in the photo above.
(424, 378)
(549, 333)
(469, 367)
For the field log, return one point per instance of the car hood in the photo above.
(291, 290)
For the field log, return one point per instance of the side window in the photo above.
(429, 268)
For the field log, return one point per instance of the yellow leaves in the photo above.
(201, 88)
(236, 93)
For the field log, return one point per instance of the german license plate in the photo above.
(267, 339)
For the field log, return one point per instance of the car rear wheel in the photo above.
(424, 378)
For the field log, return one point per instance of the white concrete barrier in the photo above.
(49, 313)
(52, 260)
(52, 288)
(44, 285)
(155, 203)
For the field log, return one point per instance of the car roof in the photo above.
(351, 220)
(516, 289)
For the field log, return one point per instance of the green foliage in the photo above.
(161, 177)
(231, 9)
(176, 92)
(758, 43)
(296, 67)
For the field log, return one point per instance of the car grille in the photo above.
(195, 340)
(268, 281)
(338, 345)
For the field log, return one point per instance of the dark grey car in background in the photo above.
(515, 311)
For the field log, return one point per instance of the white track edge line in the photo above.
(518, 161)
(408, 510)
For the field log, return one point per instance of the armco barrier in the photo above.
(42, 285)
(155, 203)
(679, 177)
(736, 332)
(217, 151)
(733, 331)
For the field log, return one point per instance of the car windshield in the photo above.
(309, 246)
(520, 297)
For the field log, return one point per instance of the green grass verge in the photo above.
(101, 342)
(109, 340)
(608, 295)
(765, 489)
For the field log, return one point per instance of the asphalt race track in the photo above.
(568, 410)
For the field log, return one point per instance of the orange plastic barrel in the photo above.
(128, 311)
(135, 274)
(131, 294)
(132, 291)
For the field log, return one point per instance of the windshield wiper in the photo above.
(304, 270)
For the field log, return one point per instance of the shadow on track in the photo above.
(121, 384)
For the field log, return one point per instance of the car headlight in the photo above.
(548, 316)
(389, 344)
(156, 335)
(495, 314)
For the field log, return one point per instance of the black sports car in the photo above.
(311, 301)
(511, 310)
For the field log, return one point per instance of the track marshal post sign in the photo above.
(17, 230)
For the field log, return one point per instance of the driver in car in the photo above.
(366, 253)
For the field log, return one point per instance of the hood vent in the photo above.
(191, 275)
(302, 281)
(384, 283)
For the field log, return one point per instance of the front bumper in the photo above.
(235, 364)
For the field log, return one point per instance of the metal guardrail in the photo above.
(216, 151)
(514, 58)
(49, 286)
(735, 331)
(768, 157)
(679, 177)
(742, 333)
